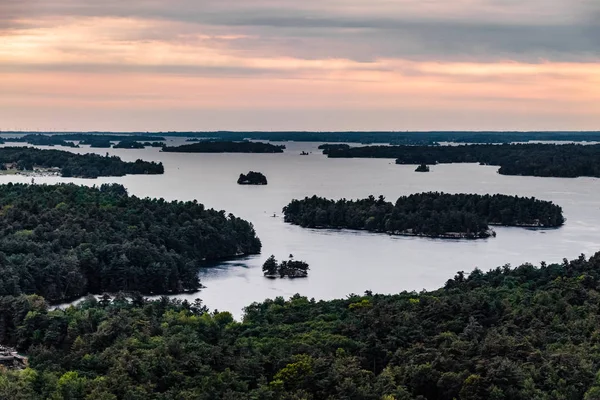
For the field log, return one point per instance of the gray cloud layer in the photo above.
(362, 30)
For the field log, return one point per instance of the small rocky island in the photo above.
(290, 268)
(252, 178)
(422, 168)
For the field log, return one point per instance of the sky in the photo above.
(203, 65)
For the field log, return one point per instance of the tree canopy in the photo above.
(426, 214)
(524, 333)
(64, 241)
(252, 178)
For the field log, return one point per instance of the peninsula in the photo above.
(544, 160)
(73, 165)
(64, 241)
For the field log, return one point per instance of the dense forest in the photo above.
(519, 334)
(226, 147)
(426, 214)
(76, 165)
(546, 160)
(252, 178)
(65, 241)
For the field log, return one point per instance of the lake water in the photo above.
(344, 262)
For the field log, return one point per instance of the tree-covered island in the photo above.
(73, 165)
(329, 147)
(422, 168)
(225, 147)
(437, 215)
(252, 178)
(544, 160)
(289, 268)
(129, 144)
(64, 241)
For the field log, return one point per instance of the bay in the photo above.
(344, 262)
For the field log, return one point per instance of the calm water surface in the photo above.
(344, 262)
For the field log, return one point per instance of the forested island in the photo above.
(65, 241)
(328, 147)
(433, 214)
(422, 168)
(97, 142)
(545, 160)
(289, 268)
(225, 147)
(74, 165)
(520, 334)
(252, 178)
(129, 144)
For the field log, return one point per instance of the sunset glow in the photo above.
(321, 65)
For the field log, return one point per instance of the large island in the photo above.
(225, 147)
(436, 215)
(73, 165)
(545, 160)
(65, 241)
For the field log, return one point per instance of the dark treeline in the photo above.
(129, 144)
(328, 147)
(225, 147)
(425, 214)
(70, 137)
(546, 160)
(42, 140)
(519, 334)
(97, 142)
(252, 178)
(66, 241)
(76, 165)
(153, 144)
(401, 138)
(397, 138)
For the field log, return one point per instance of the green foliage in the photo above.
(426, 214)
(65, 241)
(523, 333)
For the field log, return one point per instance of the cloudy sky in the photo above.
(299, 65)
